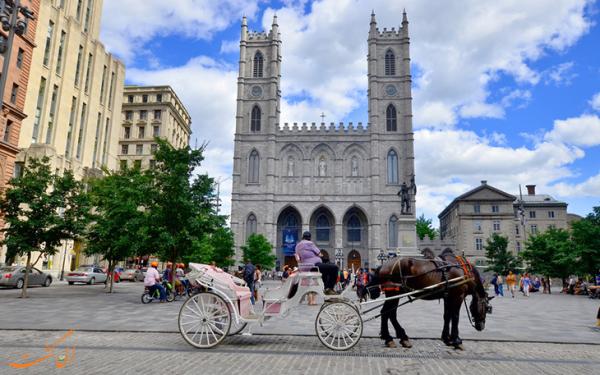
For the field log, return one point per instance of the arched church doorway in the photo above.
(354, 260)
(289, 225)
(356, 235)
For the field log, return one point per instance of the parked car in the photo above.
(87, 275)
(15, 276)
(132, 274)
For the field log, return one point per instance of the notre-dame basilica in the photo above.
(343, 182)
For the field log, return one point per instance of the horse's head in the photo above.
(480, 307)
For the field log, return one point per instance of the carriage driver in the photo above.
(308, 253)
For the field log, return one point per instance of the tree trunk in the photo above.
(111, 267)
(549, 285)
(26, 281)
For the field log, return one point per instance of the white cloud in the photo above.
(588, 188)
(230, 46)
(595, 102)
(128, 25)
(561, 74)
(581, 131)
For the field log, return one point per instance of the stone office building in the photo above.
(340, 181)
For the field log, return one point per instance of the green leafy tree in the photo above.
(223, 245)
(41, 209)
(119, 217)
(550, 254)
(259, 251)
(586, 243)
(500, 259)
(181, 211)
(425, 228)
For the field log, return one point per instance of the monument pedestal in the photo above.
(407, 238)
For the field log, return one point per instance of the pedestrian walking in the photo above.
(494, 282)
(499, 282)
(511, 282)
(526, 284)
(249, 271)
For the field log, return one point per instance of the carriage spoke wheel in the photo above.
(204, 320)
(339, 326)
(236, 327)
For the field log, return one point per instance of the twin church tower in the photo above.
(339, 181)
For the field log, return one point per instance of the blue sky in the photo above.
(503, 91)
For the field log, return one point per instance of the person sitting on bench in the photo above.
(308, 253)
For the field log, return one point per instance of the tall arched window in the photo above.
(255, 119)
(392, 167)
(258, 65)
(390, 63)
(354, 229)
(323, 228)
(253, 166)
(393, 232)
(250, 225)
(391, 119)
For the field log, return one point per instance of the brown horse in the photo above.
(402, 275)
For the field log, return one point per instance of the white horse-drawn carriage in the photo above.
(223, 307)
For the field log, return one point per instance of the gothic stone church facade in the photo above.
(340, 181)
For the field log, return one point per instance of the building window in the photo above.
(157, 114)
(496, 225)
(127, 134)
(88, 16)
(128, 115)
(476, 208)
(51, 114)
(153, 148)
(18, 170)
(13, 93)
(390, 63)
(48, 43)
(354, 229)
(139, 149)
(495, 208)
(137, 164)
(390, 118)
(250, 225)
(532, 214)
(253, 164)
(78, 14)
(534, 229)
(38, 110)
(393, 232)
(78, 66)
(97, 139)
(123, 164)
(6, 137)
(143, 114)
(20, 58)
(392, 167)
(102, 84)
(159, 98)
(551, 226)
(61, 48)
(156, 131)
(323, 228)
(478, 244)
(141, 132)
(255, 119)
(477, 226)
(144, 98)
(110, 92)
(124, 149)
(551, 214)
(258, 65)
(81, 131)
(518, 247)
(152, 163)
(517, 230)
(105, 146)
(88, 72)
(72, 119)
(130, 98)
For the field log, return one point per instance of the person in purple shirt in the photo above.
(308, 253)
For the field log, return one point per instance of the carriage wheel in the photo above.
(204, 320)
(339, 326)
(236, 327)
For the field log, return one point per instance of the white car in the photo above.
(87, 275)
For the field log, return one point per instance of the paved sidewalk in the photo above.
(134, 353)
(548, 318)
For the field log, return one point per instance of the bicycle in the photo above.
(147, 297)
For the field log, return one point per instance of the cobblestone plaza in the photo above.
(550, 334)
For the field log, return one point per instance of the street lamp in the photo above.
(381, 257)
(13, 24)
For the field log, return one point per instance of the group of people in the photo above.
(524, 282)
(153, 279)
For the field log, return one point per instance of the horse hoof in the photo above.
(406, 343)
(390, 344)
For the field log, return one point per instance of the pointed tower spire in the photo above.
(275, 28)
(373, 24)
(275, 19)
(404, 18)
(244, 32)
(373, 21)
(404, 24)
